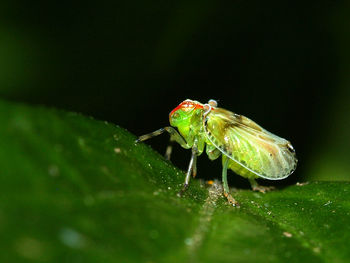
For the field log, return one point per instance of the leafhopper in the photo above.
(245, 147)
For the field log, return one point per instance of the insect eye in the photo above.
(176, 115)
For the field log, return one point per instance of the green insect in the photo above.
(246, 148)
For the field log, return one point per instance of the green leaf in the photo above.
(74, 189)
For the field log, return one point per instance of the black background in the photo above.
(283, 64)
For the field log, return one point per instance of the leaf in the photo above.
(74, 189)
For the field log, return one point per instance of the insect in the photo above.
(246, 148)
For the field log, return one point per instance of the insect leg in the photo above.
(169, 150)
(191, 168)
(212, 152)
(194, 167)
(174, 136)
(259, 188)
(150, 135)
(229, 197)
(224, 175)
(193, 162)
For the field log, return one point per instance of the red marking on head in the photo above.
(186, 106)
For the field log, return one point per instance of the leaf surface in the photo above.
(74, 189)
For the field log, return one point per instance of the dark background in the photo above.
(283, 64)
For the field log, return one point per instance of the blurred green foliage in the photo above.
(74, 189)
(332, 152)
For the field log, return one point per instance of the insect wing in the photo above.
(251, 146)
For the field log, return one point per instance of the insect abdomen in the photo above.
(240, 170)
